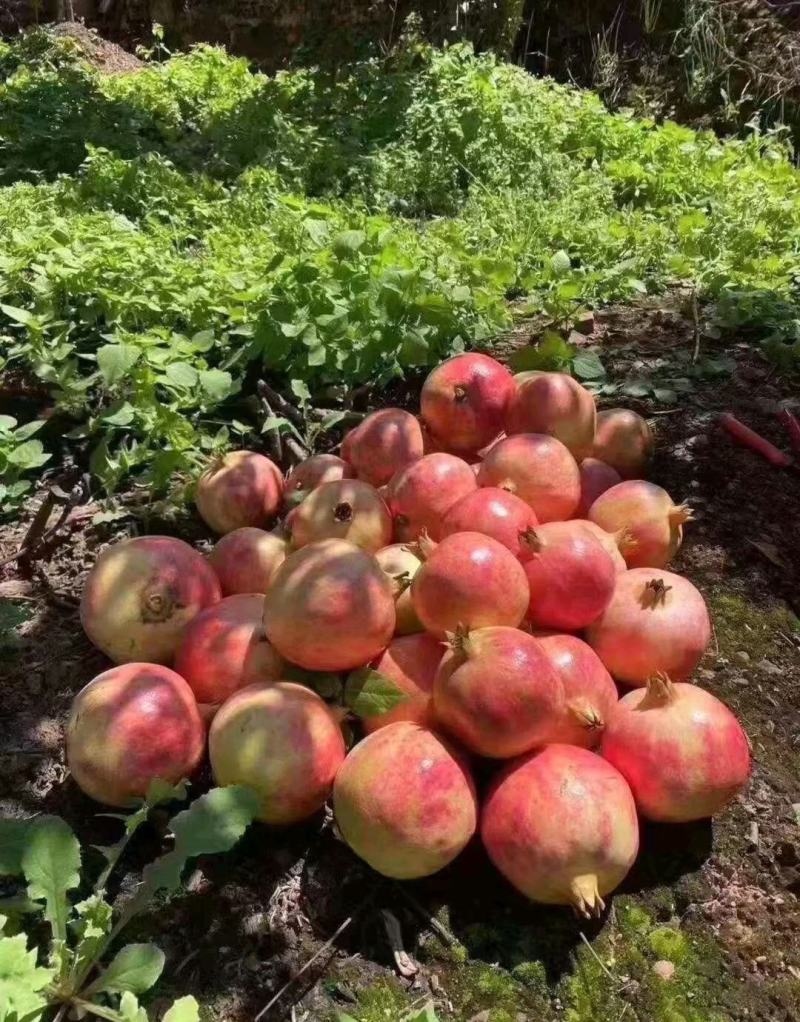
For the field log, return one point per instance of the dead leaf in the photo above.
(771, 552)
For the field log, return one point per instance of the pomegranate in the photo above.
(309, 474)
(560, 824)
(401, 563)
(469, 580)
(493, 512)
(140, 595)
(464, 401)
(130, 726)
(596, 478)
(497, 693)
(589, 691)
(282, 741)
(330, 607)
(345, 509)
(681, 750)
(624, 441)
(242, 488)
(555, 404)
(538, 469)
(611, 542)
(386, 442)
(656, 622)
(422, 494)
(404, 801)
(571, 577)
(411, 662)
(224, 649)
(653, 524)
(430, 444)
(246, 559)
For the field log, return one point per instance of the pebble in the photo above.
(740, 681)
(743, 656)
(706, 675)
(664, 969)
(769, 668)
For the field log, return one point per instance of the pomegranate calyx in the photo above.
(660, 692)
(425, 545)
(625, 540)
(459, 641)
(587, 716)
(508, 485)
(680, 513)
(401, 582)
(530, 539)
(586, 900)
(655, 592)
(460, 393)
(343, 512)
(158, 604)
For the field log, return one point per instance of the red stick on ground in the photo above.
(792, 427)
(748, 438)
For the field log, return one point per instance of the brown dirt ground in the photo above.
(269, 906)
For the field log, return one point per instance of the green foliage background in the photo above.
(168, 235)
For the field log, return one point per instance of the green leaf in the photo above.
(92, 925)
(129, 1008)
(21, 980)
(13, 837)
(369, 693)
(636, 388)
(217, 384)
(116, 360)
(121, 413)
(135, 968)
(203, 340)
(29, 454)
(28, 429)
(587, 366)
(185, 1009)
(300, 390)
(552, 352)
(426, 1014)
(181, 374)
(561, 263)
(324, 683)
(18, 315)
(51, 863)
(348, 243)
(665, 395)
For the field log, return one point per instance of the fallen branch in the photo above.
(696, 327)
(273, 433)
(280, 402)
(38, 535)
(438, 928)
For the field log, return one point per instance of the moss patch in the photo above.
(742, 625)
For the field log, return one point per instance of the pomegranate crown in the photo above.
(655, 592)
(660, 692)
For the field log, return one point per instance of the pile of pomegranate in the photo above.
(500, 567)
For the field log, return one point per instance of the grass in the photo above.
(170, 235)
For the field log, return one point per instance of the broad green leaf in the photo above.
(369, 693)
(348, 243)
(300, 390)
(19, 906)
(21, 980)
(116, 360)
(18, 315)
(181, 374)
(13, 833)
(325, 684)
(51, 863)
(217, 384)
(135, 968)
(92, 925)
(426, 1014)
(185, 1009)
(587, 366)
(29, 454)
(28, 429)
(552, 352)
(203, 340)
(129, 1008)
(561, 263)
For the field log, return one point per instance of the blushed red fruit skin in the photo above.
(411, 662)
(141, 594)
(684, 761)
(330, 607)
(499, 695)
(649, 514)
(609, 541)
(283, 741)
(596, 478)
(318, 469)
(224, 649)
(636, 637)
(624, 441)
(387, 441)
(129, 726)
(421, 495)
(368, 523)
(469, 580)
(243, 488)
(590, 694)
(555, 404)
(558, 814)
(405, 802)
(571, 578)
(539, 469)
(494, 512)
(464, 401)
(245, 560)
(398, 560)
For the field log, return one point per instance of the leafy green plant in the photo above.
(19, 454)
(74, 972)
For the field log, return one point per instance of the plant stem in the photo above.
(97, 1009)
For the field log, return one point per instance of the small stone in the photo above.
(743, 656)
(796, 811)
(740, 681)
(769, 668)
(664, 969)
(255, 925)
(482, 1016)
(584, 323)
(706, 675)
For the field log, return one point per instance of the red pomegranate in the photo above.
(130, 726)
(496, 692)
(141, 594)
(404, 801)
(570, 575)
(330, 607)
(386, 442)
(590, 694)
(469, 580)
(401, 563)
(596, 478)
(538, 469)
(318, 469)
(611, 542)
(464, 401)
(242, 488)
(224, 649)
(282, 741)
(657, 622)
(560, 824)
(681, 750)
(653, 523)
(624, 441)
(411, 662)
(557, 405)
(494, 512)
(422, 494)
(345, 509)
(245, 560)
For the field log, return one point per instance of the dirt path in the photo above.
(720, 903)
